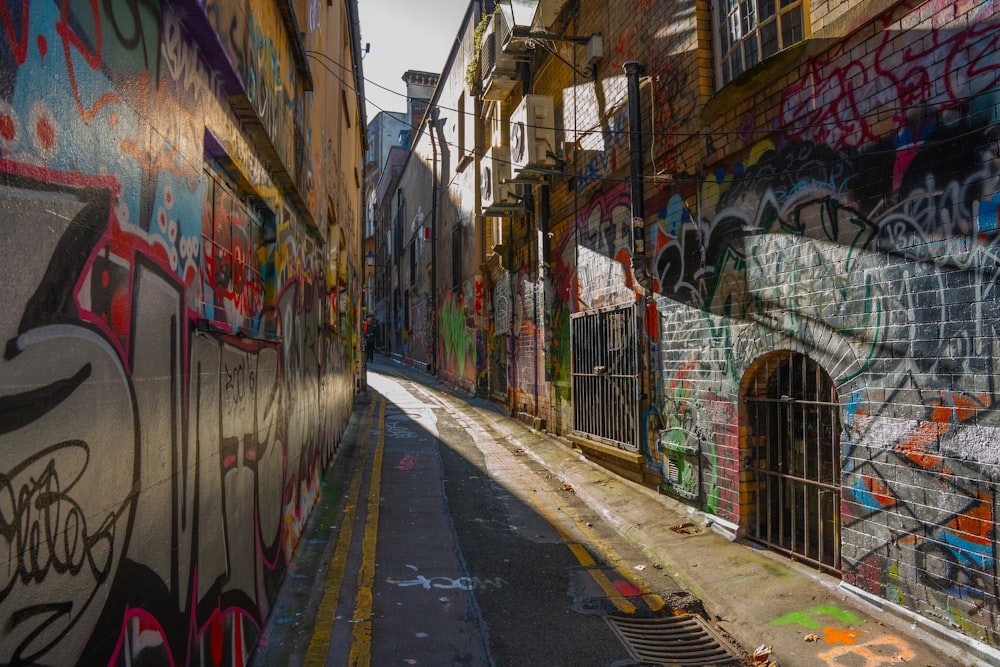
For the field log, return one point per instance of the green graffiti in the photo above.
(561, 366)
(457, 342)
(807, 618)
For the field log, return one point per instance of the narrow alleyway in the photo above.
(439, 542)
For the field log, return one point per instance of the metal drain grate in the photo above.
(678, 641)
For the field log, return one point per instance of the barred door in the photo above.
(606, 375)
(793, 449)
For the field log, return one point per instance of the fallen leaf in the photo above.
(812, 637)
(685, 528)
(762, 653)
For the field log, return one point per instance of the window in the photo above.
(749, 31)
(346, 105)
(238, 240)
(406, 310)
(413, 261)
(398, 224)
(456, 257)
(466, 131)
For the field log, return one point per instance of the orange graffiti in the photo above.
(881, 492)
(834, 636)
(944, 414)
(977, 523)
(884, 651)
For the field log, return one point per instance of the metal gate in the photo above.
(606, 375)
(792, 447)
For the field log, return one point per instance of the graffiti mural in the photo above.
(458, 346)
(168, 394)
(870, 246)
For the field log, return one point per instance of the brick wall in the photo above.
(839, 201)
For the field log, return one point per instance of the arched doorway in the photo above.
(791, 450)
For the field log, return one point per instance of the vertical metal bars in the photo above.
(606, 375)
(793, 446)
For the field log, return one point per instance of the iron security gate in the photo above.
(793, 448)
(606, 375)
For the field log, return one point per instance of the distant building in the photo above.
(388, 132)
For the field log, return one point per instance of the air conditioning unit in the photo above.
(532, 136)
(497, 68)
(496, 194)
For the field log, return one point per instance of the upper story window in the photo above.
(749, 31)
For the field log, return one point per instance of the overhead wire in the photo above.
(597, 128)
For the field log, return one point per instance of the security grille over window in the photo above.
(751, 30)
(792, 452)
(606, 376)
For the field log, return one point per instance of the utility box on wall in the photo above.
(681, 463)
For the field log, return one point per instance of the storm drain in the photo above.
(679, 641)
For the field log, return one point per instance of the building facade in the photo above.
(436, 248)
(749, 257)
(389, 133)
(181, 251)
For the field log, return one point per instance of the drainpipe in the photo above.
(543, 229)
(544, 267)
(632, 71)
(434, 214)
(640, 263)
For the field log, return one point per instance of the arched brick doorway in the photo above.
(790, 496)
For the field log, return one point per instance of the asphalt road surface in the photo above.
(439, 542)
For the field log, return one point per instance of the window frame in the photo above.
(247, 267)
(722, 18)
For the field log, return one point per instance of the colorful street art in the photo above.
(169, 396)
(870, 246)
(845, 640)
(457, 354)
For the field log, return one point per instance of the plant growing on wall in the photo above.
(472, 79)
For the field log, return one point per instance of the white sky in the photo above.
(404, 35)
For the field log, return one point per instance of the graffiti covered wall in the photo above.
(169, 396)
(858, 226)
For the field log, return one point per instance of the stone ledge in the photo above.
(626, 463)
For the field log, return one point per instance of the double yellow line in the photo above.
(360, 653)
(583, 556)
(319, 645)
(624, 603)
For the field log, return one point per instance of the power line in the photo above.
(597, 128)
(682, 178)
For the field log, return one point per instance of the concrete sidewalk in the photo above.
(796, 615)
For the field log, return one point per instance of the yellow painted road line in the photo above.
(624, 605)
(326, 613)
(653, 601)
(361, 648)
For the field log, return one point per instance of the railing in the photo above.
(606, 375)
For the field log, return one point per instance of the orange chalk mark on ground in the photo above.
(835, 636)
(885, 651)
